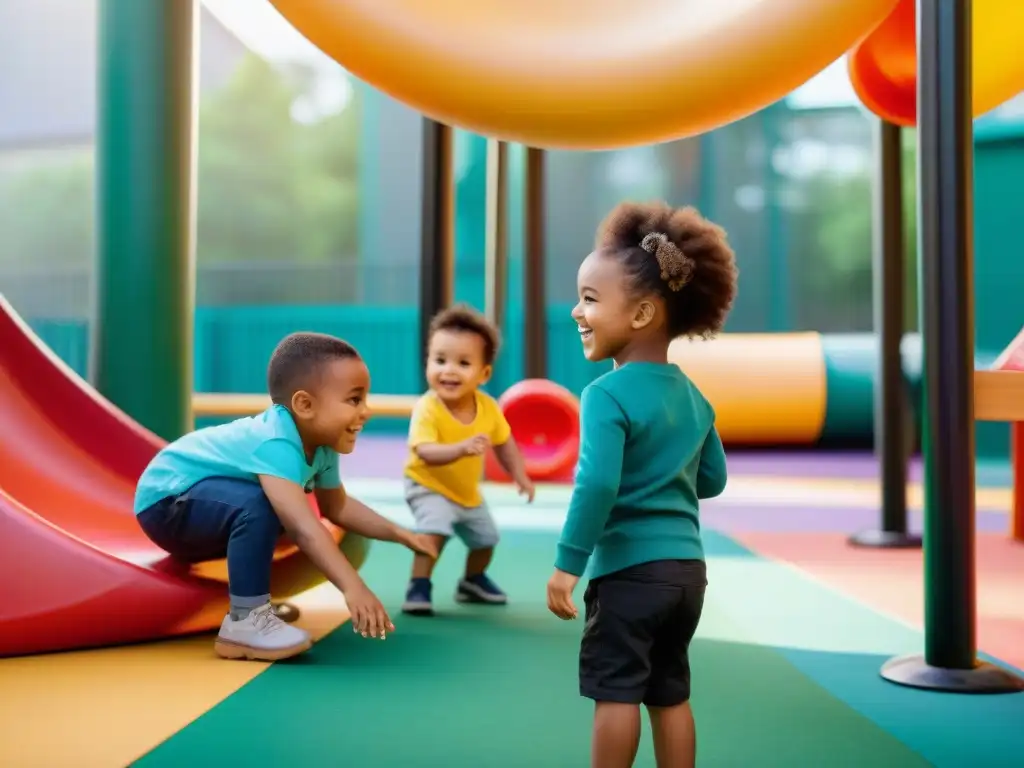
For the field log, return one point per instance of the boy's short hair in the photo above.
(299, 359)
(462, 318)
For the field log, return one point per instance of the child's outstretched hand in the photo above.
(421, 544)
(476, 445)
(560, 589)
(526, 488)
(369, 618)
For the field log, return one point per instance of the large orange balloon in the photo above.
(585, 74)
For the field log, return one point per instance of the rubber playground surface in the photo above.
(796, 626)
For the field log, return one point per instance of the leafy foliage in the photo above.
(271, 188)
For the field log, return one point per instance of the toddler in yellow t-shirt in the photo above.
(452, 427)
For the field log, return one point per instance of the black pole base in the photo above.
(286, 612)
(878, 539)
(914, 672)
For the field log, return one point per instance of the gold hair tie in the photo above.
(676, 269)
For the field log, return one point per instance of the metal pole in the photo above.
(945, 174)
(437, 246)
(496, 248)
(145, 211)
(890, 427)
(535, 300)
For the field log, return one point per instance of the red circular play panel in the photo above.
(544, 418)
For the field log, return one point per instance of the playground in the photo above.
(865, 561)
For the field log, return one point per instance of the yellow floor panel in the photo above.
(56, 708)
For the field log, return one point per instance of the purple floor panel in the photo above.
(380, 457)
(766, 517)
(383, 457)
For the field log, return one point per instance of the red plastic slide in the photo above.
(545, 423)
(76, 568)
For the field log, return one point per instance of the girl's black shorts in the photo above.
(639, 624)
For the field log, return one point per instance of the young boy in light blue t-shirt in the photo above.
(231, 490)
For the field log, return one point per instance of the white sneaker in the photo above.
(260, 636)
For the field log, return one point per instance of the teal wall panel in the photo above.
(233, 346)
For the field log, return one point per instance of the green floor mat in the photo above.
(482, 687)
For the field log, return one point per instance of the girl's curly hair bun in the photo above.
(689, 252)
(676, 267)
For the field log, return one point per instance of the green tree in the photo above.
(271, 189)
(839, 224)
(46, 212)
(330, 189)
(247, 206)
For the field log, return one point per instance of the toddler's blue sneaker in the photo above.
(417, 598)
(480, 589)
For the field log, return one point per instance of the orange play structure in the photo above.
(883, 66)
(88, 575)
(585, 74)
(602, 74)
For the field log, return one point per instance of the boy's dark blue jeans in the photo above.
(216, 518)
